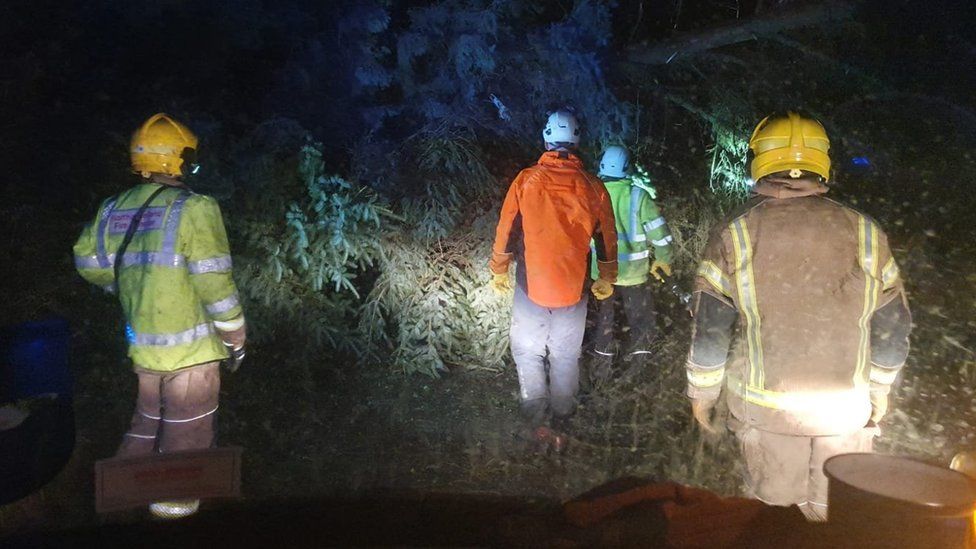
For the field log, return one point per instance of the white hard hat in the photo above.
(615, 162)
(562, 127)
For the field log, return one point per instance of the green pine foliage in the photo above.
(300, 274)
(408, 289)
(435, 295)
(431, 302)
(728, 178)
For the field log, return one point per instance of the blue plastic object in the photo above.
(34, 360)
(861, 161)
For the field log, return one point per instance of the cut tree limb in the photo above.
(689, 44)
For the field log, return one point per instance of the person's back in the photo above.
(822, 315)
(174, 277)
(559, 205)
(549, 215)
(643, 250)
(163, 249)
(808, 273)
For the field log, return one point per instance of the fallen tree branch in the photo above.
(689, 44)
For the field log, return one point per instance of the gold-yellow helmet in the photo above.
(789, 143)
(162, 145)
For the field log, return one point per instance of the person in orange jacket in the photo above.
(551, 212)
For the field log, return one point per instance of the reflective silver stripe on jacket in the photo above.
(634, 256)
(663, 242)
(223, 305)
(634, 211)
(159, 259)
(654, 223)
(88, 262)
(639, 238)
(185, 337)
(220, 264)
(103, 261)
(172, 226)
(132, 258)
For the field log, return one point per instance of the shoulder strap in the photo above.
(130, 232)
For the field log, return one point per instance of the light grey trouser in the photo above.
(537, 330)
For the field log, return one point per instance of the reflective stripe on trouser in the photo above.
(640, 320)
(174, 411)
(537, 330)
(788, 470)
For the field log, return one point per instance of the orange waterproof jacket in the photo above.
(550, 214)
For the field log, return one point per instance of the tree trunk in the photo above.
(689, 44)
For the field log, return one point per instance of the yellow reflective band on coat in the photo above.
(705, 378)
(746, 289)
(839, 404)
(890, 274)
(868, 259)
(884, 376)
(711, 273)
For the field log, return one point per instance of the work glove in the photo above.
(879, 405)
(701, 409)
(602, 289)
(501, 283)
(233, 362)
(658, 267)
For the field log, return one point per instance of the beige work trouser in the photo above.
(788, 470)
(173, 411)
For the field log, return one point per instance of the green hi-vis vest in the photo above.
(175, 280)
(639, 226)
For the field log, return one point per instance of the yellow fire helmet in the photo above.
(162, 145)
(789, 143)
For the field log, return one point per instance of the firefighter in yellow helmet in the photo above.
(823, 320)
(162, 249)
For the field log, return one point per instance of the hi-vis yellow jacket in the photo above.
(175, 280)
(822, 315)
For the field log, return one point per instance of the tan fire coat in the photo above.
(805, 276)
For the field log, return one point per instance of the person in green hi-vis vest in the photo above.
(644, 248)
(162, 250)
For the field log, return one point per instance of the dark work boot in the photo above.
(558, 437)
(534, 411)
(599, 368)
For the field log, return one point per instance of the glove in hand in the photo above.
(602, 289)
(501, 283)
(658, 267)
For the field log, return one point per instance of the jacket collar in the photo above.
(783, 187)
(560, 159)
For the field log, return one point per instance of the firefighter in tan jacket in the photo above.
(823, 321)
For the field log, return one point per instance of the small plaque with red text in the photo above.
(124, 483)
